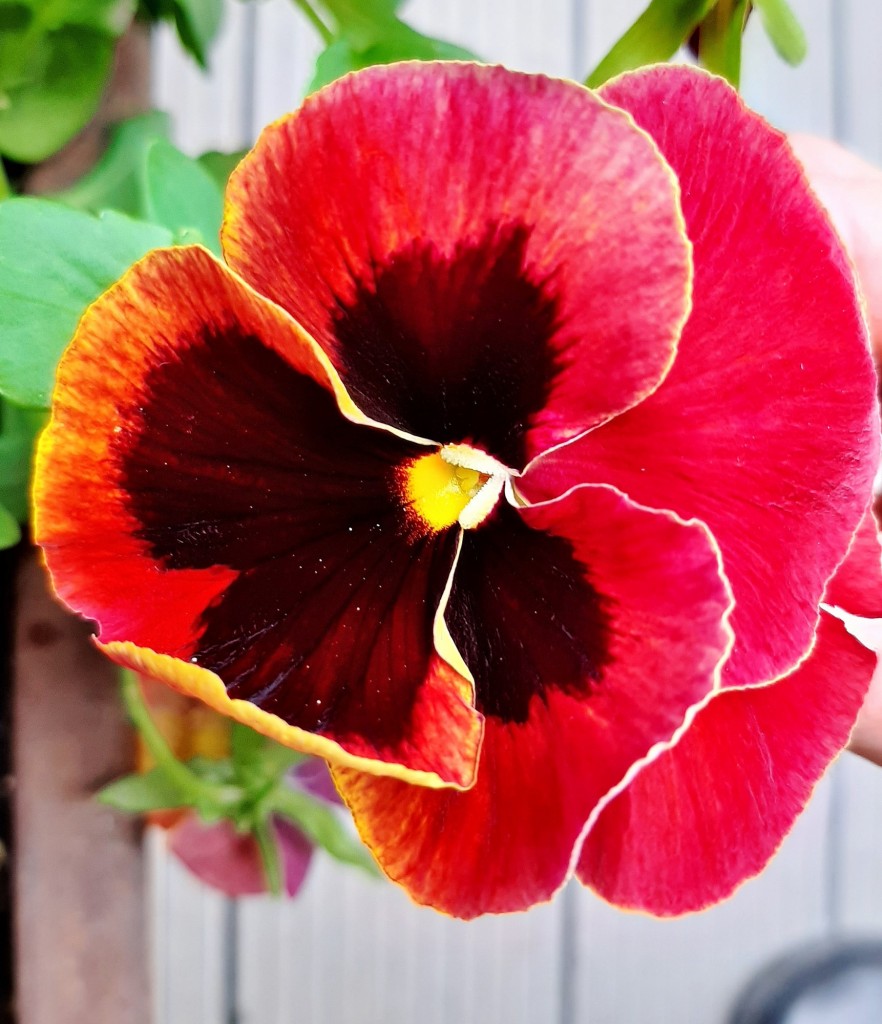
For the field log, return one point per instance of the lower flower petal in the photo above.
(590, 632)
(201, 495)
(709, 813)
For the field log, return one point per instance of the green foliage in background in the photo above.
(713, 28)
(55, 57)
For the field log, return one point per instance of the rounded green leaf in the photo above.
(181, 195)
(10, 533)
(54, 262)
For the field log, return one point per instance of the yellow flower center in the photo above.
(455, 484)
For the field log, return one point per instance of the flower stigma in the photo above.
(457, 483)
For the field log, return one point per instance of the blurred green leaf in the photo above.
(363, 22)
(386, 43)
(221, 165)
(321, 824)
(55, 58)
(197, 22)
(784, 30)
(46, 282)
(117, 181)
(110, 16)
(151, 791)
(55, 93)
(18, 430)
(182, 196)
(655, 36)
(10, 533)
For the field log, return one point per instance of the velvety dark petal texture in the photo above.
(212, 505)
(486, 257)
(709, 813)
(766, 427)
(588, 643)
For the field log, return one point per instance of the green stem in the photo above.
(5, 187)
(720, 39)
(187, 781)
(313, 16)
(269, 856)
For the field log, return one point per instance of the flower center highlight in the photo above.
(456, 484)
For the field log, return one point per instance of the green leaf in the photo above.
(197, 22)
(110, 16)
(48, 93)
(320, 823)
(396, 41)
(181, 195)
(363, 22)
(221, 165)
(18, 430)
(54, 262)
(10, 533)
(784, 30)
(655, 36)
(117, 181)
(152, 791)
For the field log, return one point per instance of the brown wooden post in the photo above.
(79, 886)
(78, 880)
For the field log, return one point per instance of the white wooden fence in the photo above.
(353, 951)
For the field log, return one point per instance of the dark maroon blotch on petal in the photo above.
(524, 617)
(453, 348)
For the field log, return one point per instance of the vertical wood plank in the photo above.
(213, 110)
(78, 871)
(794, 99)
(603, 24)
(856, 37)
(188, 924)
(350, 948)
(860, 847)
(287, 47)
(522, 34)
(634, 968)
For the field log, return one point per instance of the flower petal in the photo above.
(709, 813)
(200, 494)
(766, 427)
(229, 861)
(590, 633)
(463, 241)
(857, 586)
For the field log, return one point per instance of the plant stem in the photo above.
(189, 783)
(5, 187)
(313, 16)
(720, 39)
(269, 856)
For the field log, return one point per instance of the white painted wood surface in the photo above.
(353, 951)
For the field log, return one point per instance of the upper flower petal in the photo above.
(591, 626)
(200, 494)
(487, 257)
(709, 813)
(766, 427)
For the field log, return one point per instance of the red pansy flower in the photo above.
(522, 423)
